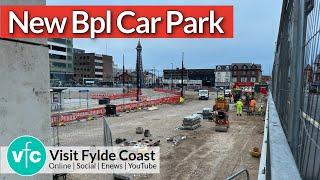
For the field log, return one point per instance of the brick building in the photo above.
(93, 67)
(246, 72)
(265, 79)
(127, 77)
(308, 73)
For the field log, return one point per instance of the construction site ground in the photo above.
(204, 154)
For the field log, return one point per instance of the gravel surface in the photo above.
(204, 154)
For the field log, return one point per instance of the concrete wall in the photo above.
(24, 84)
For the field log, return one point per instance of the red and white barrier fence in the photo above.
(76, 115)
(100, 111)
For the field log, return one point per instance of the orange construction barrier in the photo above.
(83, 114)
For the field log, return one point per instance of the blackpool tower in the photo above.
(139, 69)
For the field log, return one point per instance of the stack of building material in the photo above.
(191, 122)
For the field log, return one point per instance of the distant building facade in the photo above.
(92, 68)
(150, 79)
(265, 79)
(195, 77)
(78, 51)
(246, 72)
(126, 77)
(61, 60)
(174, 74)
(206, 75)
(223, 76)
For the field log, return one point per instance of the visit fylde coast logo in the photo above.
(26, 155)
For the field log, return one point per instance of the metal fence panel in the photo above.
(296, 82)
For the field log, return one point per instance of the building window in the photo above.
(235, 67)
(57, 48)
(97, 64)
(253, 79)
(59, 65)
(57, 56)
(243, 79)
(234, 79)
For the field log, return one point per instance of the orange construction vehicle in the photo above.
(221, 102)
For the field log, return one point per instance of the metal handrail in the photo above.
(238, 173)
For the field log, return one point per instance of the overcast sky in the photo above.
(255, 32)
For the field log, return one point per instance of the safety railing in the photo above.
(237, 174)
(296, 82)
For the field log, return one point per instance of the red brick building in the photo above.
(265, 79)
(129, 78)
(91, 66)
(246, 72)
(308, 73)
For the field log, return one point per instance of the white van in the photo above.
(203, 94)
(227, 93)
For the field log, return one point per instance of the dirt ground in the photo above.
(204, 154)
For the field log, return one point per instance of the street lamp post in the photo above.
(182, 74)
(158, 79)
(171, 76)
(154, 77)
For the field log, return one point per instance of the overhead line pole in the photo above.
(182, 69)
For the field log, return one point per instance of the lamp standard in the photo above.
(171, 76)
